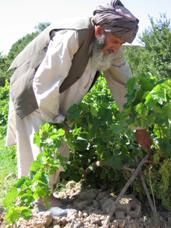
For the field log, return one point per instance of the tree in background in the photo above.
(4, 65)
(5, 62)
(155, 55)
(22, 43)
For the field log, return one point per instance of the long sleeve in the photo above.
(52, 71)
(117, 77)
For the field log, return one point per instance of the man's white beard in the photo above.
(100, 60)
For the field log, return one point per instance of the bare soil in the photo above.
(88, 208)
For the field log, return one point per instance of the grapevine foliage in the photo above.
(100, 138)
(101, 143)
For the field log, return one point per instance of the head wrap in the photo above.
(117, 19)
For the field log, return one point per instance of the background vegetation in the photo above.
(100, 138)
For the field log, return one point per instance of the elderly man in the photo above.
(58, 68)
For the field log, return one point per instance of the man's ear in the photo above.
(98, 30)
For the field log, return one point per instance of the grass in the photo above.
(7, 168)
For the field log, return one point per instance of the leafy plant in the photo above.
(153, 54)
(21, 197)
(149, 106)
(100, 138)
(4, 96)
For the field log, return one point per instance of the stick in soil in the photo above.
(150, 202)
(129, 182)
(152, 206)
(153, 209)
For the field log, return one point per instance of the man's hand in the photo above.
(143, 139)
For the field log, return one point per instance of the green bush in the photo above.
(4, 97)
(153, 55)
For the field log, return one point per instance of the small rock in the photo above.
(85, 214)
(130, 205)
(80, 214)
(102, 195)
(61, 195)
(81, 205)
(44, 213)
(88, 195)
(76, 224)
(107, 205)
(120, 214)
(97, 222)
(70, 184)
(71, 212)
(63, 221)
(57, 211)
(48, 219)
(90, 209)
(95, 204)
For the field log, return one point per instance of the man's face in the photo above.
(111, 43)
(105, 47)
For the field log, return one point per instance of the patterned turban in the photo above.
(117, 19)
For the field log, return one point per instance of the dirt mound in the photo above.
(77, 207)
